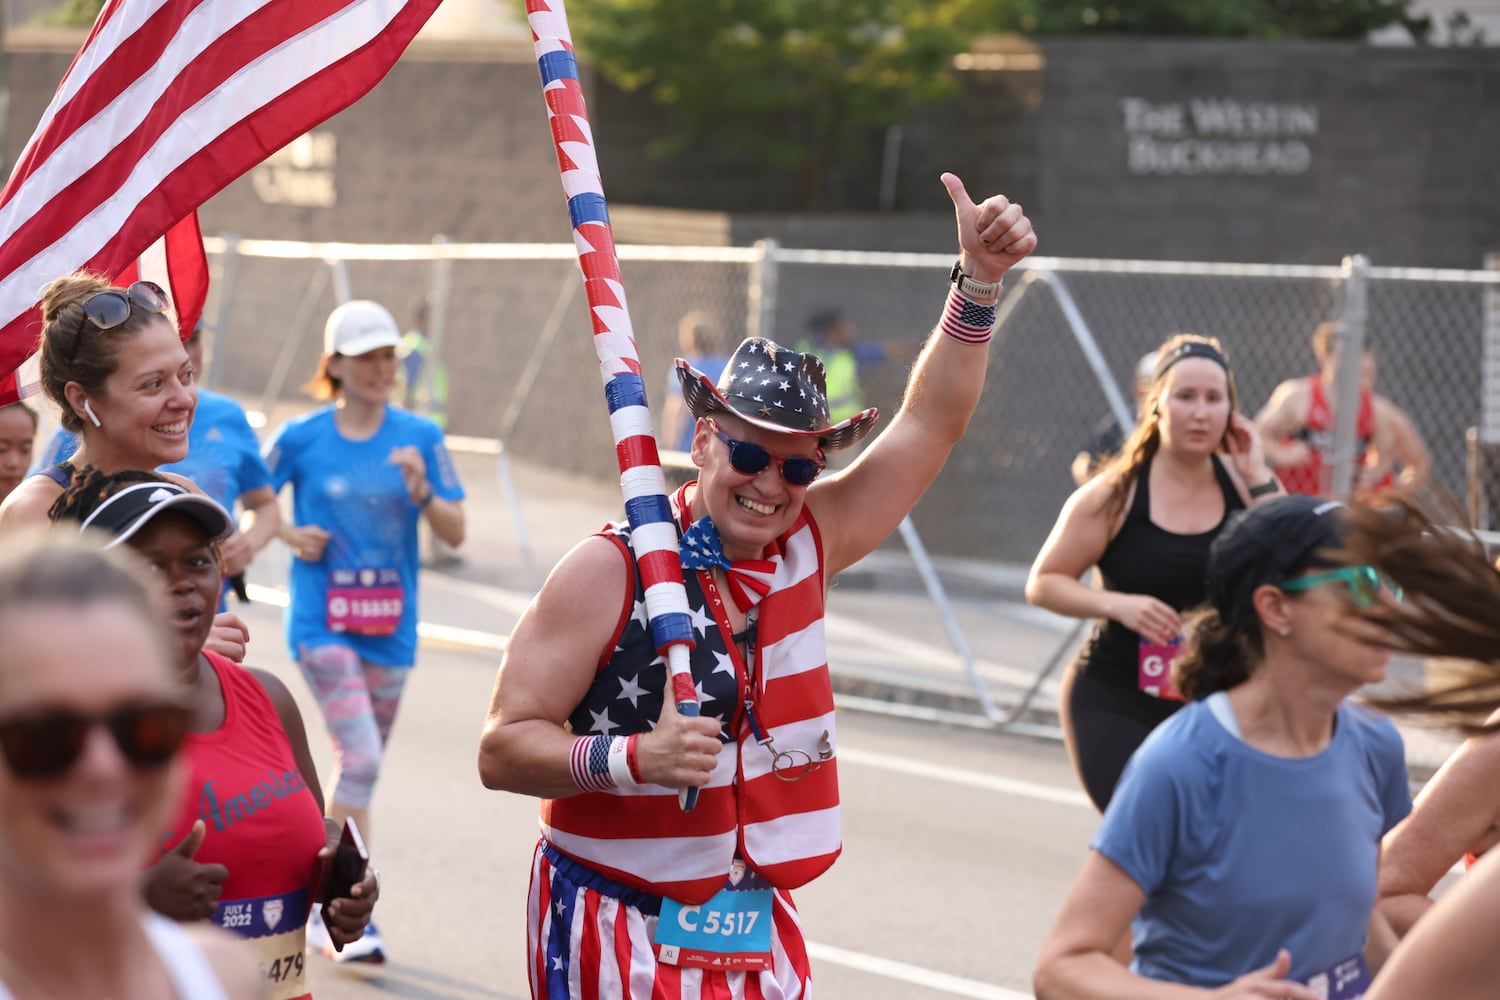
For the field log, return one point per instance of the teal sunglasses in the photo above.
(1364, 582)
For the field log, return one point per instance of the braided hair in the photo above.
(90, 487)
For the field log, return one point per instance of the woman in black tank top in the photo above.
(1146, 521)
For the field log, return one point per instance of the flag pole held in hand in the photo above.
(653, 532)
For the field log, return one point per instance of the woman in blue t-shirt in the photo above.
(364, 474)
(1244, 836)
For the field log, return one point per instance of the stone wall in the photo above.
(1294, 153)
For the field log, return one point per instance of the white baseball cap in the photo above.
(359, 327)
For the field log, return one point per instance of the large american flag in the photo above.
(166, 103)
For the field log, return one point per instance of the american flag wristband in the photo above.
(966, 321)
(589, 762)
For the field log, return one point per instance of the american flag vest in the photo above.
(788, 831)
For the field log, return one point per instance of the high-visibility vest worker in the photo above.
(416, 354)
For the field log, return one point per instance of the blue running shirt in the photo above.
(1241, 853)
(352, 490)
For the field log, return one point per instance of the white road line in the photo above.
(916, 975)
(974, 779)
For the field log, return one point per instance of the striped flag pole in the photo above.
(653, 533)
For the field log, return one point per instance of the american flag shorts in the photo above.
(589, 938)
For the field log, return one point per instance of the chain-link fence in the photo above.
(513, 376)
(507, 321)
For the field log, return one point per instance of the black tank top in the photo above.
(1145, 559)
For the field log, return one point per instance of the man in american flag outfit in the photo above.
(630, 896)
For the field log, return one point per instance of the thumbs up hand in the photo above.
(993, 236)
(179, 887)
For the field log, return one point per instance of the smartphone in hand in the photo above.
(344, 870)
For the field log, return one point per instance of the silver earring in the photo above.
(88, 407)
(1284, 630)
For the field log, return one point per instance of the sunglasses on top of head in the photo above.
(751, 459)
(110, 307)
(47, 743)
(1365, 584)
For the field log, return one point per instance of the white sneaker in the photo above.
(318, 940)
(369, 948)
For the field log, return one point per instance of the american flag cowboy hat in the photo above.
(775, 388)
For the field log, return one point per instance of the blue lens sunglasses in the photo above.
(751, 459)
(1365, 584)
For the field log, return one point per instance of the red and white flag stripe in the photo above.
(176, 262)
(168, 102)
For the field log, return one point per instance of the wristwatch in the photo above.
(1265, 489)
(984, 293)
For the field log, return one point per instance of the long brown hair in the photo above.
(1451, 606)
(1145, 440)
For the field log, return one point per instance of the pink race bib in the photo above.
(365, 601)
(1155, 669)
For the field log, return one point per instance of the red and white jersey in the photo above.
(788, 831)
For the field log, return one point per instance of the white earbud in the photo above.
(88, 408)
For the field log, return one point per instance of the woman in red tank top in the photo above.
(245, 845)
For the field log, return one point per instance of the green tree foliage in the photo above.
(72, 14)
(1261, 19)
(797, 84)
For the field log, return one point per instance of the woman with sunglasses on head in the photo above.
(243, 847)
(89, 770)
(112, 360)
(363, 474)
(223, 461)
(1146, 521)
(1243, 839)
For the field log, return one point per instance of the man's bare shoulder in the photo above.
(592, 570)
(1289, 399)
